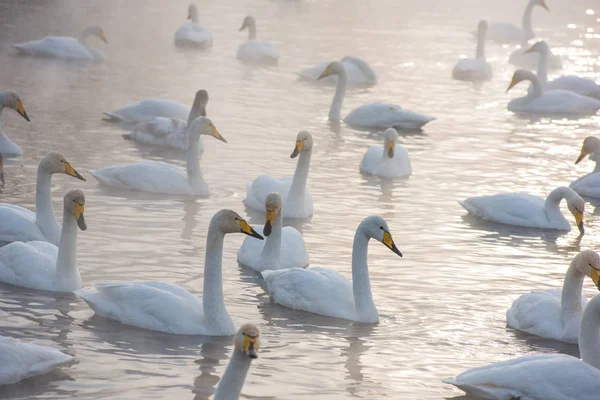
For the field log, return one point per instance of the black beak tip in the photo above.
(395, 250)
(257, 235)
(581, 228)
(267, 229)
(26, 117)
(294, 153)
(81, 223)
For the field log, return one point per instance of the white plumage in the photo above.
(192, 33)
(359, 72)
(388, 161)
(255, 50)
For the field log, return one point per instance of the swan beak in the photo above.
(216, 134)
(390, 148)
(389, 243)
(269, 222)
(247, 229)
(544, 5)
(529, 50)
(324, 73)
(579, 221)
(78, 211)
(103, 38)
(513, 82)
(595, 277)
(69, 170)
(581, 157)
(297, 149)
(250, 346)
(21, 111)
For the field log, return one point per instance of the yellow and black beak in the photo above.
(103, 37)
(297, 149)
(216, 134)
(513, 82)
(325, 73)
(69, 170)
(529, 50)
(247, 229)
(269, 221)
(595, 275)
(78, 211)
(21, 110)
(389, 243)
(544, 5)
(579, 221)
(389, 147)
(250, 346)
(582, 155)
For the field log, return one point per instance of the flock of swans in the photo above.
(41, 254)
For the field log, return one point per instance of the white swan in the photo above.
(42, 265)
(10, 99)
(298, 201)
(523, 209)
(556, 314)
(192, 33)
(589, 185)
(146, 109)
(373, 115)
(161, 177)
(523, 57)
(543, 376)
(550, 102)
(170, 132)
(21, 224)
(387, 161)
(283, 248)
(165, 307)
(65, 47)
(327, 292)
(475, 69)
(20, 360)
(583, 86)
(246, 346)
(255, 50)
(359, 72)
(510, 33)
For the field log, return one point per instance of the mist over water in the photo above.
(442, 306)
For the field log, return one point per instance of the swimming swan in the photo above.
(387, 161)
(10, 99)
(165, 307)
(161, 177)
(509, 33)
(283, 248)
(475, 69)
(21, 224)
(556, 314)
(589, 185)
(298, 201)
(192, 33)
(359, 72)
(550, 102)
(543, 376)
(170, 132)
(65, 47)
(42, 265)
(523, 209)
(327, 292)
(373, 115)
(255, 50)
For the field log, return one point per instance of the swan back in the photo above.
(591, 144)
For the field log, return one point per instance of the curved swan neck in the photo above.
(212, 298)
(552, 203)
(298, 186)
(44, 214)
(340, 91)
(480, 53)
(570, 301)
(194, 172)
(589, 333)
(536, 85)
(84, 35)
(67, 278)
(361, 283)
(526, 22)
(252, 30)
(233, 379)
(270, 255)
(542, 70)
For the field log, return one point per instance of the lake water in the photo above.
(442, 306)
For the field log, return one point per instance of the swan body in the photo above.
(556, 314)
(298, 202)
(165, 307)
(65, 47)
(543, 376)
(359, 72)
(192, 33)
(509, 33)
(147, 109)
(370, 116)
(10, 99)
(387, 161)
(283, 248)
(21, 224)
(19, 360)
(170, 132)
(161, 177)
(589, 185)
(475, 69)
(246, 346)
(523, 209)
(42, 265)
(327, 292)
(539, 101)
(255, 50)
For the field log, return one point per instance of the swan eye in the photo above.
(381, 227)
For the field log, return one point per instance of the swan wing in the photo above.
(148, 108)
(192, 33)
(385, 115)
(56, 46)
(160, 131)
(257, 191)
(521, 209)
(563, 102)
(18, 224)
(31, 265)
(257, 51)
(472, 70)
(582, 86)
(587, 185)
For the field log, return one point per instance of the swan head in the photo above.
(540, 47)
(482, 28)
(249, 22)
(12, 100)
(192, 13)
(1, 172)
(540, 3)
(97, 31)
(273, 204)
(591, 144)
(75, 203)
(576, 206)
(201, 97)
(247, 340)
(304, 142)
(588, 263)
(55, 163)
(520, 75)
(334, 68)
(229, 221)
(204, 126)
(390, 137)
(375, 227)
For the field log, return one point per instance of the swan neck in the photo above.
(84, 35)
(67, 277)
(194, 16)
(233, 379)
(597, 167)
(570, 301)
(552, 204)
(252, 31)
(212, 299)
(198, 110)
(589, 334)
(361, 283)
(44, 214)
(526, 22)
(298, 187)
(480, 53)
(271, 253)
(542, 70)
(335, 111)
(536, 86)
(193, 161)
